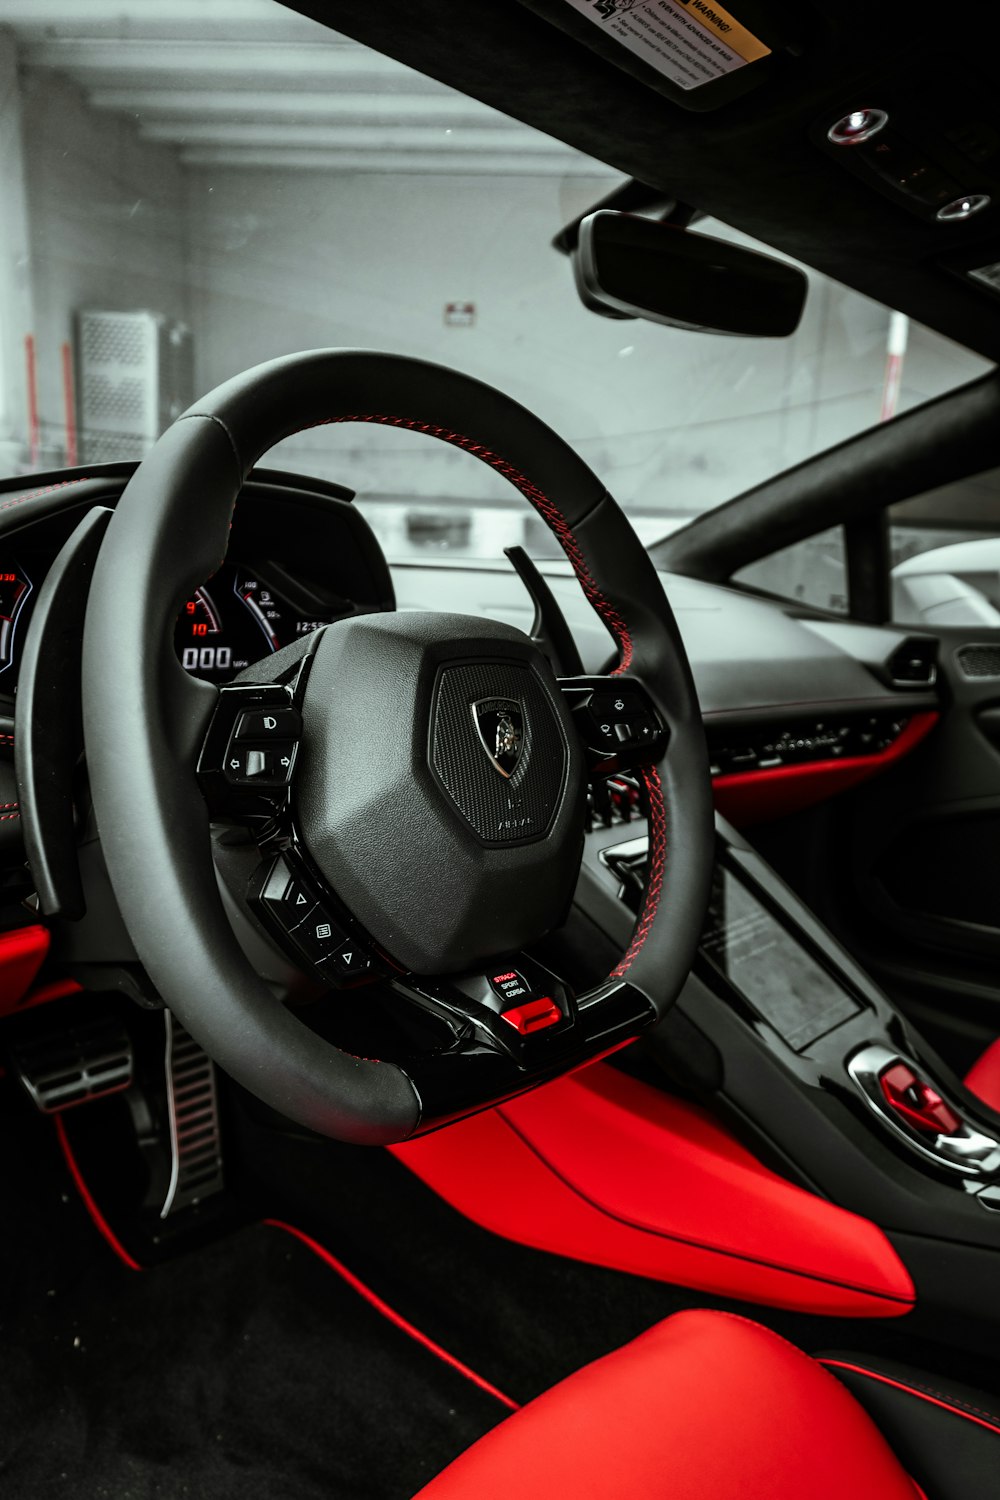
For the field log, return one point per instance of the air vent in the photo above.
(979, 661)
(81, 1061)
(615, 799)
(914, 663)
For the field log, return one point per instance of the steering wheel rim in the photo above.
(144, 717)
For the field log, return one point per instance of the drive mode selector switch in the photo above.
(524, 1007)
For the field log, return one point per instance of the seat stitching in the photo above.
(928, 1390)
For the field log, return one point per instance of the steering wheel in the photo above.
(414, 783)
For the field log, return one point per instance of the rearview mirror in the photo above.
(630, 267)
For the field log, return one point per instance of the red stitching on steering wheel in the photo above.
(546, 508)
(554, 517)
(657, 869)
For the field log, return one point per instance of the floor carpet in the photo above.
(247, 1369)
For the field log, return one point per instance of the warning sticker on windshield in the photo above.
(691, 42)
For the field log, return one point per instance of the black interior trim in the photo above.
(950, 438)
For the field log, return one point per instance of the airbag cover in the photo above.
(439, 787)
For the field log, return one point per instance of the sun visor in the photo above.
(698, 53)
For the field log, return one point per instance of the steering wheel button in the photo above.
(268, 724)
(258, 763)
(534, 1015)
(319, 936)
(283, 758)
(298, 908)
(509, 985)
(287, 897)
(349, 961)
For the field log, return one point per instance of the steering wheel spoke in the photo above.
(500, 1048)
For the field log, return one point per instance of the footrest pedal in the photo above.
(86, 1059)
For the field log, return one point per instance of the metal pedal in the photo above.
(84, 1060)
(195, 1139)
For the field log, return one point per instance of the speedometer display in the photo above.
(15, 587)
(231, 622)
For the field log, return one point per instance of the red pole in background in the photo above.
(69, 406)
(899, 327)
(33, 434)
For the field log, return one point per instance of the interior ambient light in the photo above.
(964, 207)
(860, 125)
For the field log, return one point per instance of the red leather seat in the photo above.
(983, 1079)
(703, 1406)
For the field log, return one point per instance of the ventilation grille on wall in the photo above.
(134, 376)
(979, 661)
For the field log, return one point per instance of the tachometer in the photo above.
(15, 586)
(263, 608)
(229, 623)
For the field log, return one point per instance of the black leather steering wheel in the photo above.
(437, 860)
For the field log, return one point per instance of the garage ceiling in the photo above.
(249, 83)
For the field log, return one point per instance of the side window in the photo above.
(945, 555)
(811, 572)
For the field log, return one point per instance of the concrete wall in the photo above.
(262, 263)
(108, 226)
(16, 317)
(674, 421)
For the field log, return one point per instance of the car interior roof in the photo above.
(753, 155)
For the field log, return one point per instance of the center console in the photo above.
(789, 1039)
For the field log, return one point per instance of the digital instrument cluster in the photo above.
(232, 621)
(16, 588)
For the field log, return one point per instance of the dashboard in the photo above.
(235, 618)
(300, 557)
(774, 687)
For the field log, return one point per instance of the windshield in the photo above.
(190, 189)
